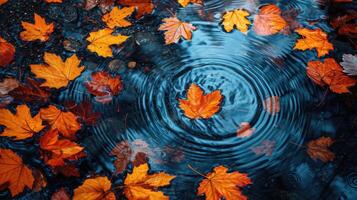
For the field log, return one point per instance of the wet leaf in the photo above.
(40, 180)
(199, 105)
(345, 24)
(116, 17)
(104, 85)
(141, 185)
(100, 42)
(220, 184)
(20, 125)
(94, 189)
(245, 130)
(318, 149)
(236, 18)
(266, 147)
(84, 111)
(184, 3)
(59, 149)
(175, 29)
(67, 170)
(65, 122)
(7, 52)
(7, 85)
(313, 39)
(54, 1)
(143, 7)
(269, 20)
(349, 64)
(31, 92)
(60, 194)
(57, 73)
(3, 2)
(40, 30)
(14, 172)
(290, 16)
(329, 73)
(272, 105)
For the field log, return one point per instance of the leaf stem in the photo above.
(197, 172)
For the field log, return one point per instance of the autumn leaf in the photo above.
(345, 25)
(7, 85)
(20, 125)
(175, 29)
(272, 105)
(104, 86)
(329, 73)
(141, 185)
(54, 1)
(266, 147)
(40, 30)
(61, 194)
(184, 3)
(245, 130)
(7, 52)
(40, 180)
(94, 189)
(349, 64)
(318, 149)
(65, 122)
(116, 17)
(220, 184)
(237, 18)
(14, 172)
(100, 42)
(313, 39)
(84, 111)
(143, 7)
(199, 105)
(67, 170)
(56, 72)
(3, 2)
(31, 92)
(104, 5)
(59, 149)
(269, 20)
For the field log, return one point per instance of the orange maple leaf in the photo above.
(269, 20)
(329, 73)
(198, 105)
(175, 29)
(184, 3)
(20, 125)
(220, 184)
(14, 173)
(59, 149)
(57, 73)
(94, 189)
(237, 18)
(313, 39)
(318, 149)
(143, 6)
(54, 1)
(141, 185)
(7, 52)
(65, 122)
(37, 31)
(116, 17)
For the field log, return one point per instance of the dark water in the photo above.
(246, 68)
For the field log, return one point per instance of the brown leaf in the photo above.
(272, 105)
(40, 180)
(60, 194)
(7, 52)
(104, 5)
(318, 149)
(31, 92)
(84, 111)
(143, 7)
(122, 152)
(7, 85)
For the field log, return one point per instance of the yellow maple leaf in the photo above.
(100, 42)
(184, 3)
(57, 73)
(94, 189)
(116, 17)
(40, 30)
(141, 185)
(237, 18)
(20, 125)
(313, 39)
(175, 29)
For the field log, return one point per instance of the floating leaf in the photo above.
(31, 92)
(329, 73)
(318, 149)
(54, 1)
(141, 185)
(104, 5)
(56, 72)
(313, 39)
(184, 3)
(175, 29)
(40, 30)
(349, 64)
(20, 125)
(60, 194)
(116, 17)
(269, 20)
(100, 42)
(7, 52)
(272, 104)
(199, 105)
(3, 2)
(245, 130)
(14, 172)
(65, 122)
(84, 111)
(143, 6)
(237, 18)
(94, 189)
(220, 184)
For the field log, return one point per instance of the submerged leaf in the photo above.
(245, 130)
(175, 29)
(40, 30)
(318, 149)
